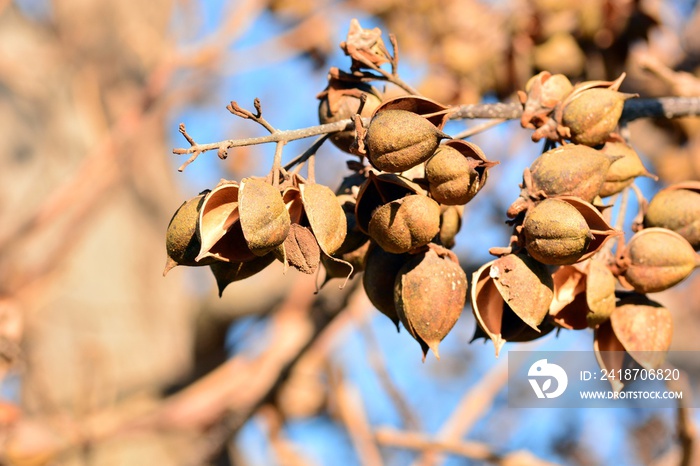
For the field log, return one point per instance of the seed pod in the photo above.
(381, 270)
(593, 114)
(429, 294)
(565, 230)
(556, 233)
(677, 208)
(376, 191)
(181, 242)
(657, 259)
(456, 172)
(584, 295)
(644, 328)
(405, 224)
(600, 292)
(341, 101)
(398, 140)
(623, 171)
(326, 216)
(226, 273)
(450, 224)
(571, 170)
(264, 218)
(510, 297)
(219, 227)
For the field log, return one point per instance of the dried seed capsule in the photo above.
(264, 217)
(456, 172)
(181, 242)
(677, 208)
(623, 171)
(429, 294)
(644, 328)
(398, 140)
(657, 259)
(450, 224)
(510, 297)
(556, 233)
(405, 224)
(593, 115)
(571, 170)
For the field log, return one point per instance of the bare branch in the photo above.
(664, 107)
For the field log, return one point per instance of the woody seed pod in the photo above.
(181, 241)
(623, 171)
(398, 140)
(571, 170)
(593, 115)
(264, 218)
(429, 294)
(456, 172)
(405, 224)
(556, 233)
(677, 208)
(657, 259)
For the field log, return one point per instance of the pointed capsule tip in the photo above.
(169, 265)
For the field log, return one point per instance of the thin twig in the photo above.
(478, 128)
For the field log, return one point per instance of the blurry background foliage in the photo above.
(103, 361)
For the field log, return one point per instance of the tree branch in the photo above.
(663, 107)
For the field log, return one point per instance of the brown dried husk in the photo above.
(226, 273)
(429, 294)
(378, 190)
(326, 216)
(644, 328)
(593, 115)
(181, 242)
(568, 308)
(623, 171)
(610, 354)
(219, 228)
(495, 318)
(571, 170)
(264, 217)
(677, 208)
(300, 250)
(405, 224)
(525, 285)
(657, 259)
(456, 172)
(381, 270)
(418, 105)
